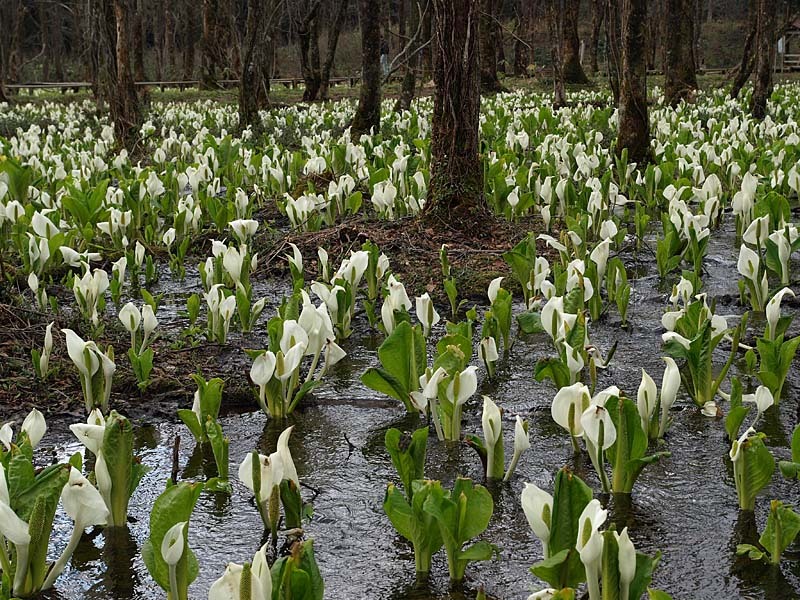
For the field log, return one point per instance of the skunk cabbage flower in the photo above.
(646, 400)
(773, 311)
(568, 406)
(426, 313)
(590, 544)
(538, 508)
(670, 383)
(592, 420)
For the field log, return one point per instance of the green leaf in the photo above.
(189, 419)
(117, 451)
(173, 506)
(403, 360)
(530, 322)
(657, 595)
(756, 470)
(609, 570)
(783, 525)
(645, 566)
(570, 497)
(408, 455)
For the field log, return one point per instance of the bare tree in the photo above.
(523, 16)
(488, 49)
(368, 113)
(189, 37)
(456, 191)
(680, 79)
(555, 22)
(570, 43)
(765, 57)
(634, 124)
(613, 47)
(414, 14)
(305, 19)
(745, 68)
(253, 86)
(333, 39)
(125, 106)
(598, 15)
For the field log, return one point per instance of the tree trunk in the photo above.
(455, 198)
(412, 60)
(570, 43)
(138, 42)
(330, 54)
(598, 12)
(426, 58)
(765, 58)
(488, 49)
(748, 56)
(250, 80)
(368, 113)
(634, 124)
(522, 40)
(209, 44)
(680, 80)
(189, 35)
(555, 24)
(125, 108)
(613, 47)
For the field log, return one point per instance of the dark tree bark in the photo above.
(125, 107)
(522, 41)
(613, 47)
(598, 14)
(251, 87)
(765, 58)
(488, 50)
(680, 79)
(333, 40)
(570, 43)
(102, 52)
(555, 22)
(426, 58)
(368, 113)
(455, 198)
(138, 42)
(210, 42)
(634, 124)
(748, 56)
(415, 9)
(12, 15)
(189, 36)
(307, 25)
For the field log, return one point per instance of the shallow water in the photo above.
(684, 506)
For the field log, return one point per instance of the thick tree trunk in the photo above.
(333, 41)
(455, 198)
(308, 43)
(368, 113)
(598, 13)
(570, 43)
(522, 41)
(210, 42)
(138, 42)
(765, 58)
(488, 48)
(634, 124)
(189, 36)
(680, 79)
(555, 22)
(102, 55)
(125, 108)
(748, 55)
(252, 73)
(410, 76)
(613, 47)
